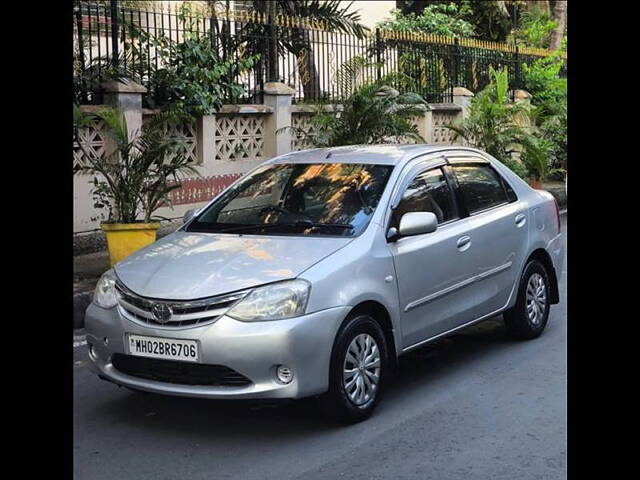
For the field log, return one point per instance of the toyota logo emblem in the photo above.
(162, 312)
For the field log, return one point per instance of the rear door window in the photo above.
(481, 187)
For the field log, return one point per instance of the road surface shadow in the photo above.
(168, 414)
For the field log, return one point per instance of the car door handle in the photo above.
(464, 243)
(521, 219)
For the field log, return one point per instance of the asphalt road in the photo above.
(475, 406)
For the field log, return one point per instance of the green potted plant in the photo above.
(536, 157)
(134, 179)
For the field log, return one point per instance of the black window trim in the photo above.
(461, 206)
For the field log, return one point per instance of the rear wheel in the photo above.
(358, 371)
(528, 318)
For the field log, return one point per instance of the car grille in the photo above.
(183, 373)
(185, 313)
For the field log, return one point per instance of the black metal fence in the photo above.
(320, 65)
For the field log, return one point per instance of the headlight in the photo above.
(105, 293)
(273, 302)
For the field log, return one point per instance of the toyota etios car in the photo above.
(312, 273)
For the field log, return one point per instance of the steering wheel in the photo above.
(279, 209)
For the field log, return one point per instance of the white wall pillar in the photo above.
(424, 123)
(277, 137)
(462, 97)
(205, 139)
(126, 96)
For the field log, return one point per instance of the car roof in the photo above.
(387, 154)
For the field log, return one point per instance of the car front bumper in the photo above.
(253, 349)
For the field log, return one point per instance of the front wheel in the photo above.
(528, 318)
(358, 370)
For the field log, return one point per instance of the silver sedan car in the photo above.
(314, 272)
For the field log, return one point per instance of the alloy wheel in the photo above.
(536, 298)
(361, 370)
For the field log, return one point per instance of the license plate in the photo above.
(166, 348)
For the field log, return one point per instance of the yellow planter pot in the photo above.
(125, 238)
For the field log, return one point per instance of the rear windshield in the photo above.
(336, 199)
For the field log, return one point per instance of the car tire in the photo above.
(528, 318)
(353, 392)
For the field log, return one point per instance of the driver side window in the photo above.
(428, 192)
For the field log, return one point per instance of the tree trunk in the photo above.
(560, 17)
(542, 5)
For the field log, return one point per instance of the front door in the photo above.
(433, 270)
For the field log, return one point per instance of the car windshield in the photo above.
(336, 199)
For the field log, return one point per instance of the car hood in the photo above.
(187, 266)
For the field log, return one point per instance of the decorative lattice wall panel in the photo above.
(92, 139)
(196, 190)
(298, 141)
(239, 137)
(185, 134)
(441, 134)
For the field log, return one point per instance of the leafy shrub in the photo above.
(504, 129)
(518, 167)
(374, 113)
(192, 78)
(196, 79)
(492, 124)
(542, 80)
(440, 19)
(431, 69)
(537, 27)
(556, 133)
(536, 157)
(549, 95)
(489, 18)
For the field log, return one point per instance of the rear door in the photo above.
(497, 227)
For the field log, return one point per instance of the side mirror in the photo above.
(416, 223)
(189, 214)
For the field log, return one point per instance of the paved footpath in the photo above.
(475, 406)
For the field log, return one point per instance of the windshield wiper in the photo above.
(312, 224)
(298, 223)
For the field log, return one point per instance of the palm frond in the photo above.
(115, 123)
(334, 13)
(352, 74)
